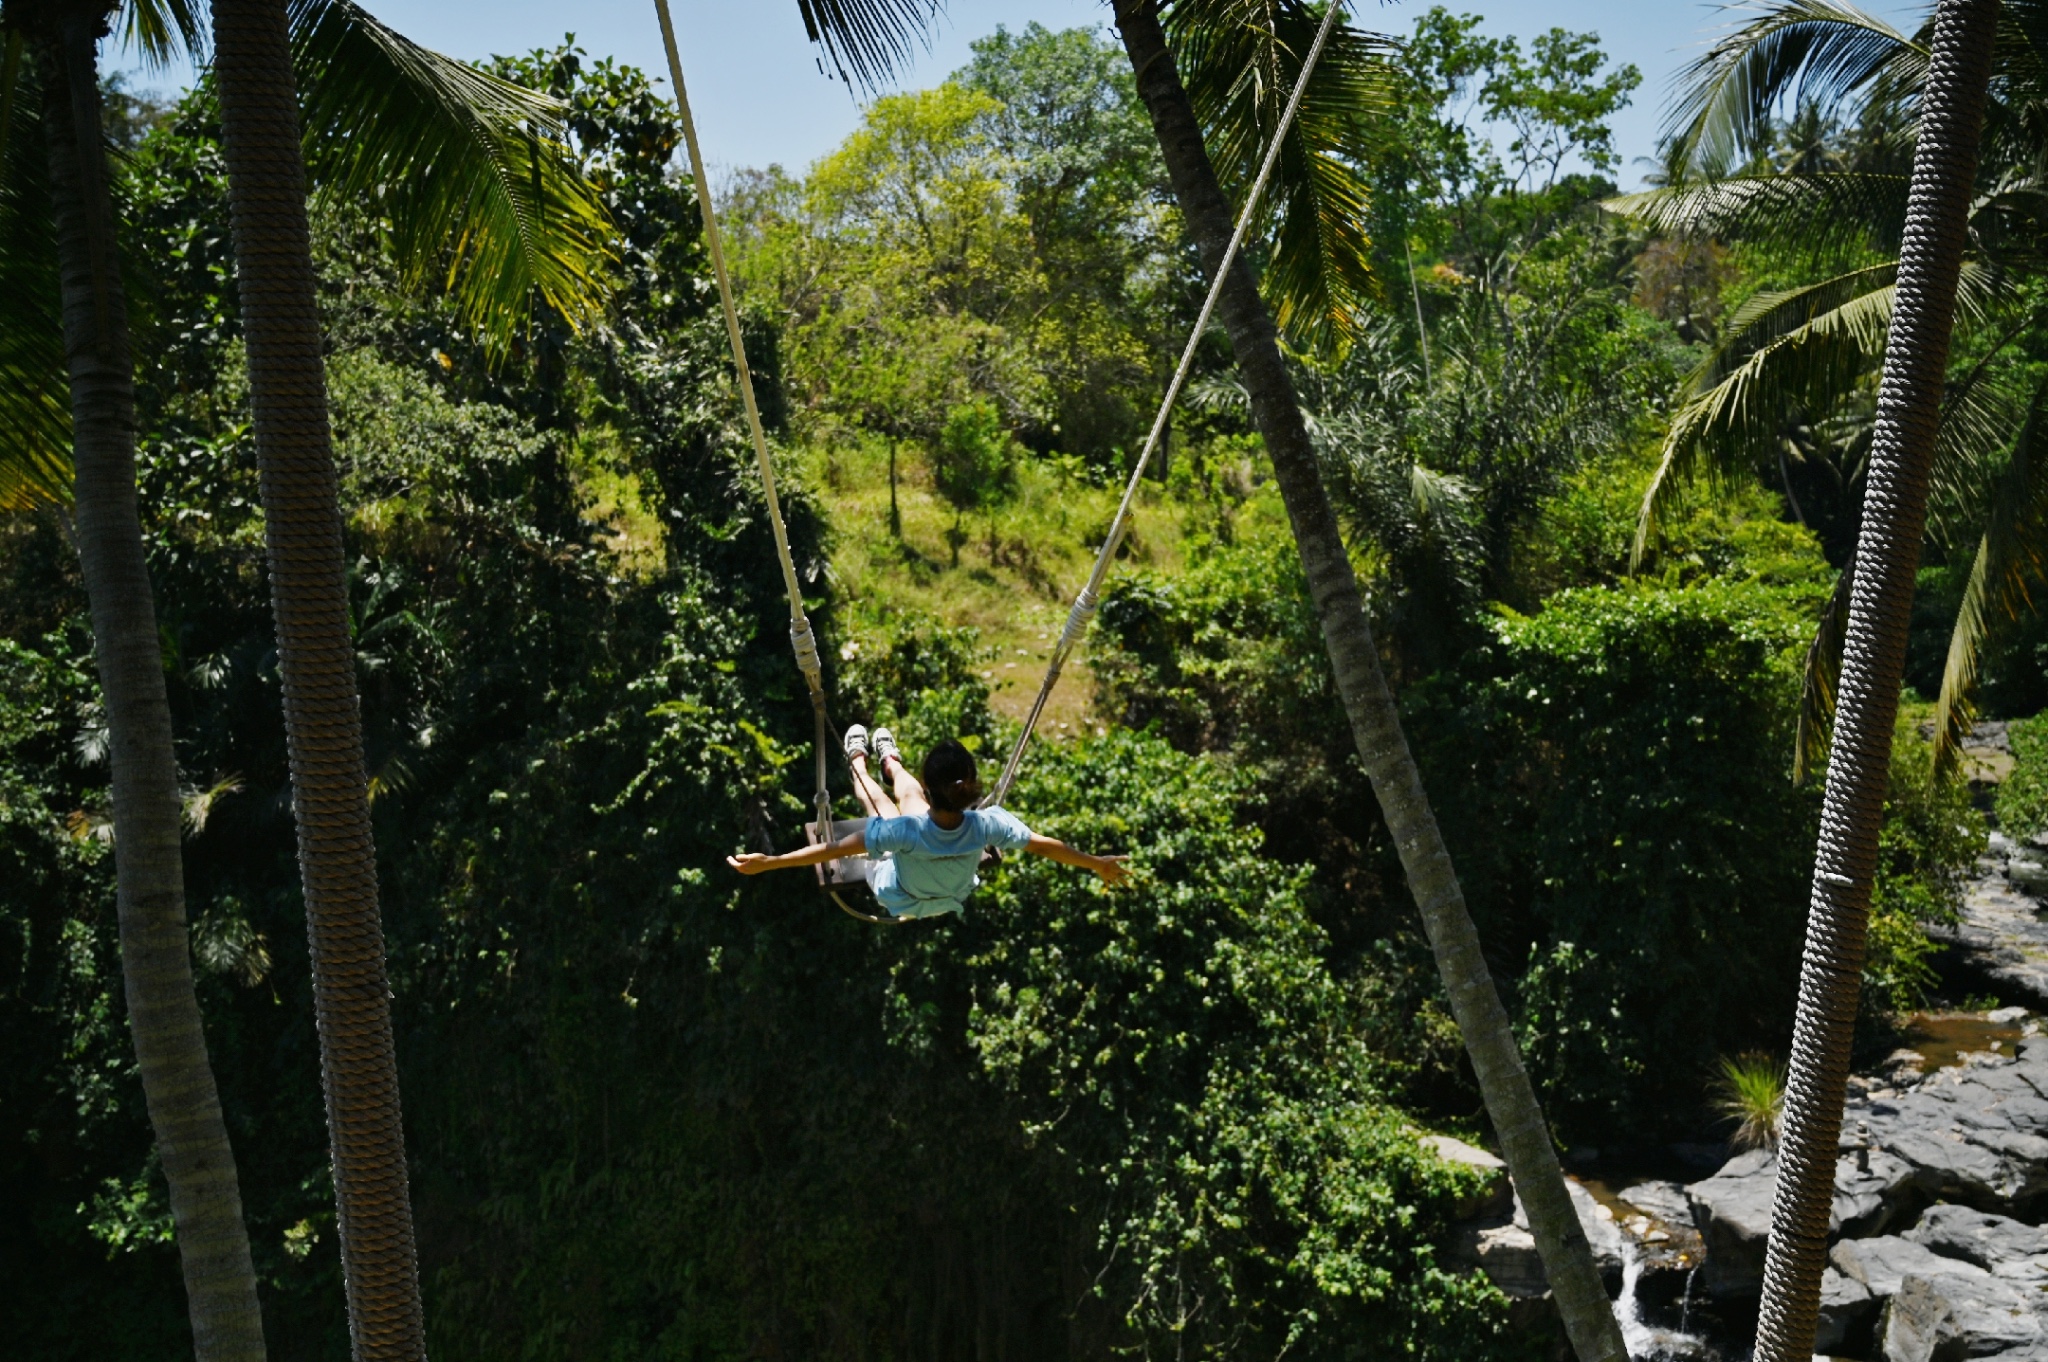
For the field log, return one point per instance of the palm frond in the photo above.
(1782, 349)
(35, 398)
(469, 171)
(1825, 51)
(867, 39)
(1810, 212)
(162, 30)
(2010, 563)
(1239, 60)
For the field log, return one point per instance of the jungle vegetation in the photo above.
(657, 1112)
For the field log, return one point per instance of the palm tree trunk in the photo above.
(149, 875)
(1873, 662)
(323, 727)
(1375, 720)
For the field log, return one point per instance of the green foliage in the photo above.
(922, 680)
(1600, 769)
(655, 1109)
(2022, 800)
(1180, 1048)
(975, 463)
(1750, 1091)
(1000, 239)
(1931, 840)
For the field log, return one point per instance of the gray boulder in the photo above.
(1880, 1265)
(1847, 1312)
(1733, 1212)
(1873, 1189)
(1972, 1135)
(1954, 1316)
(1494, 1196)
(1999, 1244)
(1502, 1247)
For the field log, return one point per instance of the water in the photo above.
(1645, 1340)
(1941, 1039)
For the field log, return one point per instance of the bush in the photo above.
(2022, 800)
(975, 464)
(1179, 1053)
(1931, 838)
(1613, 777)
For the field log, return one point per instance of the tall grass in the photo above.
(1750, 1091)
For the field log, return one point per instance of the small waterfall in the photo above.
(1646, 1342)
(1628, 1311)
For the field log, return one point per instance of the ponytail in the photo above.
(950, 779)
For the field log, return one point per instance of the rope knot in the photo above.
(1077, 619)
(805, 644)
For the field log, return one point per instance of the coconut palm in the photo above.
(1219, 80)
(1792, 375)
(1902, 451)
(458, 151)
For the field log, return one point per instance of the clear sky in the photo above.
(760, 95)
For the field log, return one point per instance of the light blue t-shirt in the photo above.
(921, 869)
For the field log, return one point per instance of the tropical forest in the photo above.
(1225, 690)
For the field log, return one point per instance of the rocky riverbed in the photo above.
(1940, 1194)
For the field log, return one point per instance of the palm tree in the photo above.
(1909, 413)
(435, 145)
(163, 1010)
(1793, 372)
(1235, 51)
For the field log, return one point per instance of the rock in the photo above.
(1502, 1247)
(1958, 1316)
(1997, 936)
(1969, 1134)
(1847, 1313)
(2006, 1016)
(1873, 1189)
(1664, 1202)
(1495, 1197)
(2000, 1245)
(1733, 1212)
(1879, 1265)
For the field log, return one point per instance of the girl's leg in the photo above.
(867, 791)
(909, 794)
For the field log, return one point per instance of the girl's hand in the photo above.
(750, 862)
(1111, 869)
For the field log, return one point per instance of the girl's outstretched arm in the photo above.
(753, 862)
(1110, 868)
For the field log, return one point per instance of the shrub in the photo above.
(2022, 801)
(974, 466)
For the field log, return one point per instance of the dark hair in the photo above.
(950, 780)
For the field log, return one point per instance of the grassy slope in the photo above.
(1014, 571)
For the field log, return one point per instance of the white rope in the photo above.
(801, 640)
(1085, 603)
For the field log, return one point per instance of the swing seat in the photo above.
(848, 872)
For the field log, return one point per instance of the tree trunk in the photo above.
(1873, 662)
(156, 960)
(1375, 721)
(323, 728)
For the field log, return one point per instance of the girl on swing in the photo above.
(927, 840)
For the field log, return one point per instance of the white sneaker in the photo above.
(857, 741)
(885, 745)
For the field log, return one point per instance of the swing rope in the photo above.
(1086, 602)
(802, 641)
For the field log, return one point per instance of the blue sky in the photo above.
(760, 96)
